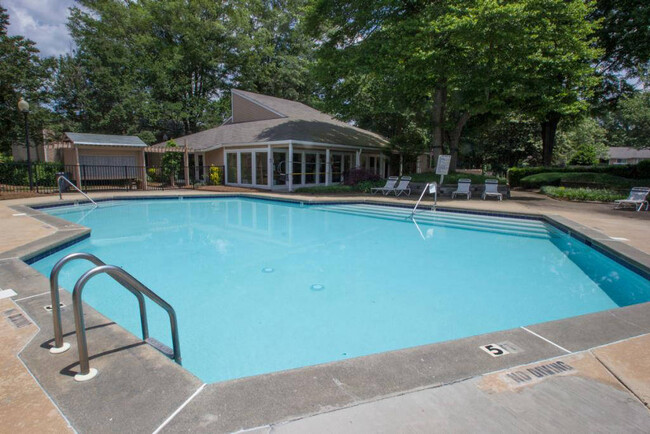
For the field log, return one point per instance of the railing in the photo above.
(14, 177)
(59, 345)
(61, 177)
(432, 188)
(123, 278)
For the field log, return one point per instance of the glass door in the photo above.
(246, 168)
(261, 168)
(297, 168)
(279, 168)
(337, 167)
(231, 168)
(310, 168)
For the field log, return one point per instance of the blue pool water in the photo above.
(261, 286)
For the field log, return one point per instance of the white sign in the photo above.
(442, 168)
(432, 188)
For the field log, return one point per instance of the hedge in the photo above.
(583, 194)
(580, 179)
(639, 171)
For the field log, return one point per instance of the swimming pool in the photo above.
(261, 286)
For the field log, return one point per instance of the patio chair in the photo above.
(390, 186)
(463, 188)
(403, 186)
(638, 198)
(491, 189)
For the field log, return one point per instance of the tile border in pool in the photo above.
(280, 396)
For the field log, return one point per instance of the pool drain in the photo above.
(317, 287)
(267, 270)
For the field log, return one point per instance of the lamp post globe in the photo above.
(23, 106)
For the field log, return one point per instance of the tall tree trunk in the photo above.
(549, 128)
(438, 118)
(454, 139)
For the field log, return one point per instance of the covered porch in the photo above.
(290, 165)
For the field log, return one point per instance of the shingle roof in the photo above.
(625, 153)
(301, 123)
(105, 140)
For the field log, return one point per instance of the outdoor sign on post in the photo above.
(442, 168)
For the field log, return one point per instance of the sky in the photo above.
(42, 21)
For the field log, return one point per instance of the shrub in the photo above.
(453, 178)
(580, 179)
(365, 186)
(516, 174)
(584, 156)
(643, 169)
(215, 175)
(357, 175)
(583, 194)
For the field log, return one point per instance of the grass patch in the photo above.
(583, 194)
(453, 178)
(581, 179)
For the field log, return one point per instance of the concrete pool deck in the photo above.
(438, 385)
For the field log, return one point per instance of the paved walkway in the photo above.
(603, 390)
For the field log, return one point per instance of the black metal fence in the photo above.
(14, 177)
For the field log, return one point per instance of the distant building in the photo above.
(623, 155)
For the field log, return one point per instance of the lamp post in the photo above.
(23, 106)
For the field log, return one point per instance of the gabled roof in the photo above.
(105, 140)
(261, 119)
(626, 153)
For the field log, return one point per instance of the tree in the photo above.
(465, 58)
(629, 124)
(22, 74)
(171, 162)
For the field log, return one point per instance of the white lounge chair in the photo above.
(403, 186)
(463, 188)
(638, 198)
(390, 186)
(491, 189)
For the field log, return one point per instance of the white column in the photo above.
(269, 167)
(328, 167)
(253, 171)
(401, 164)
(357, 162)
(382, 166)
(290, 166)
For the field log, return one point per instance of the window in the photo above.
(297, 168)
(246, 168)
(261, 175)
(231, 163)
(310, 168)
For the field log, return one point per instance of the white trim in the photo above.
(264, 106)
(178, 410)
(285, 142)
(544, 339)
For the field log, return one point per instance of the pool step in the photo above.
(505, 226)
(160, 347)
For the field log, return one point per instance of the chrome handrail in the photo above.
(129, 282)
(424, 191)
(64, 178)
(59, 345)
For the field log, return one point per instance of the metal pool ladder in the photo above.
(136, 288)
(61, 177)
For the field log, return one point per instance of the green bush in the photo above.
(584, 156)
(583, 194)
(643, 169)
(580, 179)
(453, 178)
(516, 174)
